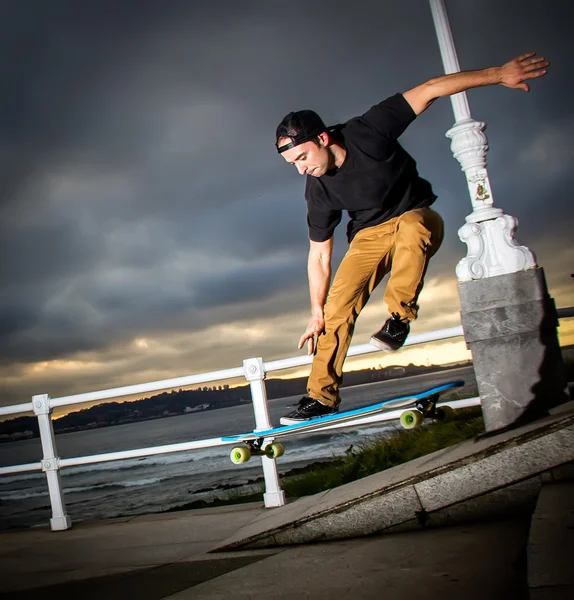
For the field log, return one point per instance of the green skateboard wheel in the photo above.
(240, 455)
(411, 419)
(275, 450)
(444, 414)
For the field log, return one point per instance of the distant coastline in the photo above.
(179, 402)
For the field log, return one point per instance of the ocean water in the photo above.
(157, 483)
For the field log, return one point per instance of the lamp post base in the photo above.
(509, 324)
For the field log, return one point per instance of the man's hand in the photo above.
(515, 72)
(315, 328)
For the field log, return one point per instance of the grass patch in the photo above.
(369, 457)
(379, 454)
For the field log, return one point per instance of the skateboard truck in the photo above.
(249, 448)
(425, 408)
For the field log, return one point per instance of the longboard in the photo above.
(417, 408)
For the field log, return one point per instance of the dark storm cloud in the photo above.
(52, 54)
(245, 285)
(140, 190)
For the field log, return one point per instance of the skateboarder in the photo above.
(360, 167)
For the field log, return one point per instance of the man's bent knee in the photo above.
(424, 224)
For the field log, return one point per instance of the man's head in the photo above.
(302, 139)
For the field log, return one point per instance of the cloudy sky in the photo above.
(148, 229)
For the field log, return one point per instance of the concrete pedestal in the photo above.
(509, 324)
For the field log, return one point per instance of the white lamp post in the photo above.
(508, 317)
(488, 232)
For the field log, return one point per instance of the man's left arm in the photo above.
(512, 74)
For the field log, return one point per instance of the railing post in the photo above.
(255, 374)
(51, 463)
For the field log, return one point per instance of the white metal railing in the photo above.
(254, 370)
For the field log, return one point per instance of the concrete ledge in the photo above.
(551, 542)
(432, 488)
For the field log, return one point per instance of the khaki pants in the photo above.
(403, 246)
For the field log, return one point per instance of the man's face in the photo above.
(310, 158)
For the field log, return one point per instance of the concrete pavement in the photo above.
(114, 549)
(166, 556)
(481, 546)
(473, 561)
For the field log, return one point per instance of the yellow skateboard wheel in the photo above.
(275, 450)
(411, 419)
(240, 455)
(444, 413)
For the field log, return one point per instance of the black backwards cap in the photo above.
(300, 126)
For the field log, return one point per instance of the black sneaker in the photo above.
(308, 409)
(392, 334)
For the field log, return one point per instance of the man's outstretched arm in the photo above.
(319, 270)
(513, 74)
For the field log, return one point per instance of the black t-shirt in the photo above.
(378, 179)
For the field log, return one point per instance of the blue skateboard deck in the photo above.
(422, 405)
